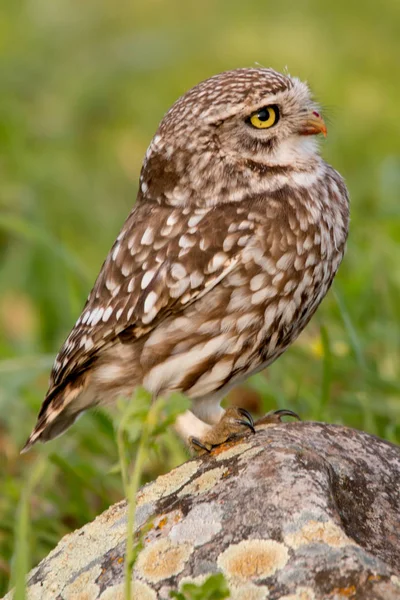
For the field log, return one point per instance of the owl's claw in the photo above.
(193, 441)
(275, 416)
(234, 421)
(249, 422)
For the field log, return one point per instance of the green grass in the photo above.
(83, 87)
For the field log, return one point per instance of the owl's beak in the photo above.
(313, 124)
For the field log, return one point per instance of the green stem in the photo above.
(133, 487)
(121, 451)
(22, 529)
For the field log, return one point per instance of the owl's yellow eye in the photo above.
(265, 117)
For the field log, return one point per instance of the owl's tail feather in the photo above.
(60, 409)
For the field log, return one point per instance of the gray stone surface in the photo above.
(299, 511)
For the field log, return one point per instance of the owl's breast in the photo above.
(290, 266)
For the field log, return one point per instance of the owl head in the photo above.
(230, 125)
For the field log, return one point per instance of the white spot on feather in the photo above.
(289, 286)
(89, 344)
(216, 262)
(186, 242)
(107, 313)
(147, 237)
(96, 316)
(242, 241)
(229, 242)
(311, 260)
(179, 288)
(178, 271)
(150, 302)
(245, 321)
(194, 220)
(261, 295)
(196, 279)
(308, 242)
(245, 225)
(150, 315)
(110, 284)
(278, 277)
(146, 279)
(285, 261)
(131, 285)
(126, 269)
(211, 379)
(269, 316)
(257, 282)
(173, 219)
(115, 252)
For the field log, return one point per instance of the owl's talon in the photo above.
(246, 424)
(284, 412)
(249, 422)
(202, 447)
(275, 416)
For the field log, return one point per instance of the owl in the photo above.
(236, 235)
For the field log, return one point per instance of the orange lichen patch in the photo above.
(83, 588)
(162, 523)
(162, 559)
(253, 559)
(348, 592)
(250, 592)
(167, 484)
(301, 593)
(317, 531)
(140, 591)
(203, 483)
(228, 451)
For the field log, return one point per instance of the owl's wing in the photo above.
(163, 260)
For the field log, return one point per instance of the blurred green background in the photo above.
(83, 86)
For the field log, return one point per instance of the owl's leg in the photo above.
(202, 437)
(208, 409)
(188, 426)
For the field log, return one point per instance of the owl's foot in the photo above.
(234, 421)
(275, 416)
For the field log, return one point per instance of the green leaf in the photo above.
(214, 588)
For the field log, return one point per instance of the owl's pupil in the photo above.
(263, 114)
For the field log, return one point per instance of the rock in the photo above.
(299, 511)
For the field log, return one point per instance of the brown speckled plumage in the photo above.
(232, 244)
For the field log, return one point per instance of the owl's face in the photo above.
(274, 127)
(215, 129)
